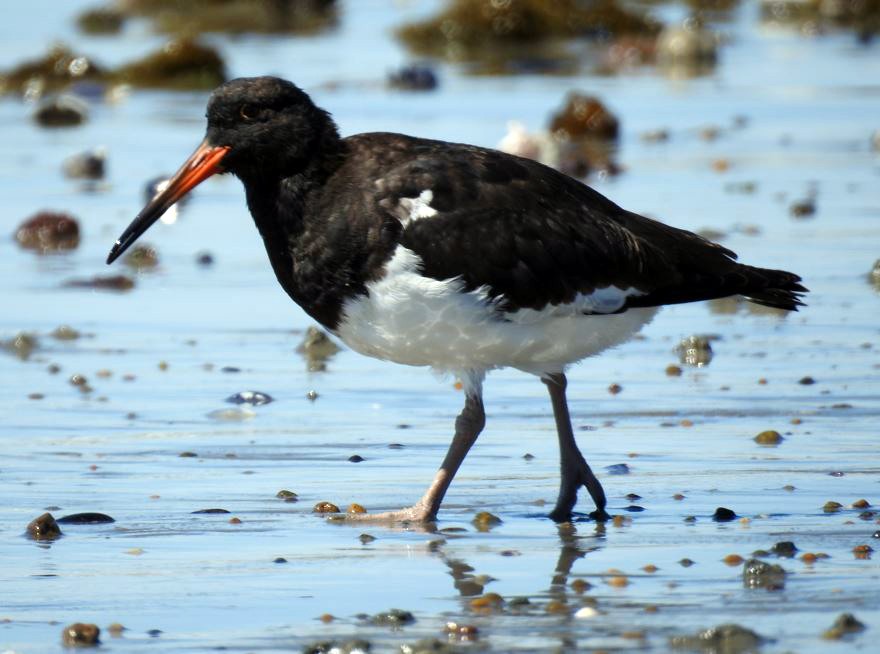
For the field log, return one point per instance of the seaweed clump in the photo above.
(235, 16)
(181, 64)
(472, 29)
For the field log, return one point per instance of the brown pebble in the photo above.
(556, 606)
(115, 629)
(769, 437)
(678, 496)
(809, 557)
(733, 559)
(721, 165)
(48, 231)
(796, 421)
(861, 504)
(354, 507)
(484, 521)
(650, 568)
(618, 581)
(235, 521)
(487, 602)
(652, 608)
(686, 423)
(325, 507)
(621, 520)
(580, 586)
(686, 562)
(831, 506)
(863, 551)
(80, 634)
(614, 389)
(102, 283)
(163, 366)
(673, 371)
(326, 618)
(43, 527)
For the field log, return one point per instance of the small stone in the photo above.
(205, 259)
(863, 551)
(723, 639)
(484, 521)
(785, 549)
(210, 512)
(806, 381)
(695, 351)
(803, 208)
(415, 77)
(723, 514)
(354, 507)
(580, 586)
(617, 469)
(187, 455)
(287, 495)
(861, 504)
(678, 497)
(366, 539)
(64, 333)
(528, 457)
(115, 629)
(44, 528)
(686, 562)
(251, 398)
(615, 389)
(393, 618)
(48, 231)
(618, 581)
(733, 560)
(279, 559)
(89, 518)
(80, 634)
(325, 507)
(650, 568)
(487, 602)
(312, 396)
(769, 437)
(102, 283)
(758, 574)
(832, 507)
(142, 257)
(356, 458)
(844, 625)
(61, 111)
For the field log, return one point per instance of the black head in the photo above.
(260, 129)
(271, 127)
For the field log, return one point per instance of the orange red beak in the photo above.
(203, 163)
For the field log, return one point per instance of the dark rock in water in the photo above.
(86, 519)
(102, 283)
(874, 275)
(723, 515)
(251, 398)
(617, 469)
(413, 78)
(237, 16)
(80, 634)
(61, 111)
(475, 29)
(48, 231)
(325, 507)
(21, 345)
(695, 350)
(356, 458)
(393, 618)
(287, 495)
(210, 511)
(758, 574)
(484, 521)
(317, 347)
(803, 208)
(846, 624)
(102, 20)
(142, 257)
(181, 64)
(723, 639)
(44, 528)
(205, 259)
(54, 72)
(86, 165)
(584, 116)
(785, 548)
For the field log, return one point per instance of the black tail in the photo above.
(773, 288)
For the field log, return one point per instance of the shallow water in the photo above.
(811, 104)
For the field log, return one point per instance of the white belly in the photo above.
(410, 319)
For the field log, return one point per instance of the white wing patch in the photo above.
(407, 210)
(412, 319)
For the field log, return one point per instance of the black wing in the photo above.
(533, 236)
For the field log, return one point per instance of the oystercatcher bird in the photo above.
(451, 256)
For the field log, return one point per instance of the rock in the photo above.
(88, 518)
(142, 257)
(54, 72)
(251, 398)
(874, 275)
(80, 634)
(695, 350)
(758, 574)
(90, 165)
(785, 549)
(181, 64)
(48, 231)
(21, 345)
(803, 208)
(584, 116)
(355, 646)
(393, 618)
(287, 495)
(769, 437)
(325, 507)
(845, 624)
(61, 111)
(484, 521)
(414, 77)
(723, 639)
(64, 333)
(44, 527)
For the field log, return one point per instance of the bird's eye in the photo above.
(247, 112)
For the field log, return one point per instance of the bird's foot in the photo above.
(416, 514)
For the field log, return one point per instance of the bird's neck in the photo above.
(287, 213)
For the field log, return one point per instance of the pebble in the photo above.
(393, 618)
(484, 521)
(44, 527)
(88, 165)
(251, 398)
(584, 116)
(487, 602)
(48, 231)
(723, 514)
(210, 512)
(618, 581)
(61, 111)
(102, 283)
(686, 562)
(366, 539)
(356, 458)
(287, 495)
(845, 624)
(312, 396)
(617, 469)
(415, 77)
(695, 351)
(205, 259)
(325, 507)
(831, 506)
(723, 639)
(769, 438)
(354, 507)
(758, 574)
(785, 549)
(615, 389)
(80, 634)
(88, 518)
(733, 560)
(279, 559)
(580, 586)
(803, 208)
(142, 257)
